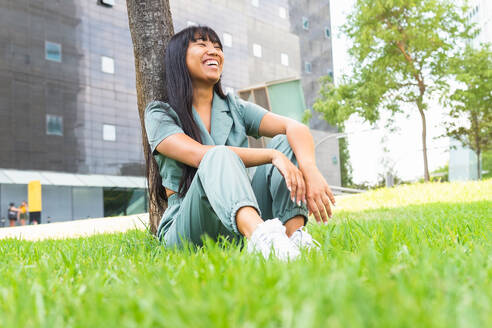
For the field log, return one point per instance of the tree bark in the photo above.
(424, 143)
(151, 28)
(479, 173)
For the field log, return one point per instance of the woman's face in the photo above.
(205, 60)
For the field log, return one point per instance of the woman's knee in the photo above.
(218, 153)
(216, 156)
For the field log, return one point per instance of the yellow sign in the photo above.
(34, 196)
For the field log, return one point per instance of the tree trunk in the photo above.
(479, 173)
(424, 143)
(151, 28)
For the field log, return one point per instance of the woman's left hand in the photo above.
(318, 194)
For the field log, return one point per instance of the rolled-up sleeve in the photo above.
(252, 115)
(161, 121)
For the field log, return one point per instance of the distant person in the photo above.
(199, 154)
(35, 217)
(12, 214)
(23, 209)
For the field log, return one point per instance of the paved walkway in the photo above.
(77, 228)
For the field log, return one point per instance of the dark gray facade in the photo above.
(54, 105)
(67, 79)
(310, 21)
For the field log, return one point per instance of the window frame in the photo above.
(51, 43)
(257, 47)
(55, 117)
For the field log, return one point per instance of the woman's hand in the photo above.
(318, 194)
(292, 175)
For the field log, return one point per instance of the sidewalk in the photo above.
(77, 228)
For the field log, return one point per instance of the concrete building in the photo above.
(67, 88)
(481, 14)
(310, 21)
(462, 160)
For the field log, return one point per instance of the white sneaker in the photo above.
(269, 237)
(302, 239)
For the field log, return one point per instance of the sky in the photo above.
(367, 143)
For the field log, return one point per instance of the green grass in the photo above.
(415, 256)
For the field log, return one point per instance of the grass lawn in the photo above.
(412, 256)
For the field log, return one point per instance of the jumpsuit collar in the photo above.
(220, 122)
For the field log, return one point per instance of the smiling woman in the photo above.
(198, 142)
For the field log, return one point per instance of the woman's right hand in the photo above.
(292, 175)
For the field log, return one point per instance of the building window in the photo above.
(227, 39)
(282, 12)
(54, 125)
(229, 90)
(107, 3)
(109, 132)
(107, 65)
(52, 51)
(307, 67)
(305, 23)
(284, 59)
(255, 3)
(327, 32)
(256, 50)
(190, 23)
(330, 73)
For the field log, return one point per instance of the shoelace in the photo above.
(305, 239)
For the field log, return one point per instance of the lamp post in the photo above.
(333, 135)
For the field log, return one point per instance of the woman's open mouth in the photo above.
(212, 63)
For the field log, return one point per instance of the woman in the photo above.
(199, 155)
(23, 209)
(12, 214)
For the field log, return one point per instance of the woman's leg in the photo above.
(219, 193)
(272, 194)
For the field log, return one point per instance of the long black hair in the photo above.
(180, 98)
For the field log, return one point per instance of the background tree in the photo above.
(400, 50)
(471, 102)
(151, 29)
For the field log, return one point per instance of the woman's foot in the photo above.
(302, 239)
(269, 237)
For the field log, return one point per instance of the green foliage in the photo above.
(487, 164)
(345, 166)
(472, 101)
(411, 256)
(401, 51)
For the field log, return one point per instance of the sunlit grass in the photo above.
(414, 256)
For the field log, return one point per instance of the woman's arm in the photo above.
(190, 152)
(318, 194)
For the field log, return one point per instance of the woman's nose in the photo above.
(212, 50)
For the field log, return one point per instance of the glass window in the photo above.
(256, 50)
(52, 51)
(307, 67)
(109, 132)
(282, 12)
(330, 73)
(327, 32)
(305, 23)
(255, 3)
(54, 125)
(190, 23)
(107, 65)
(284, 59)
(227, 39)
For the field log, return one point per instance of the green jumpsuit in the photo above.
(221, 185)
